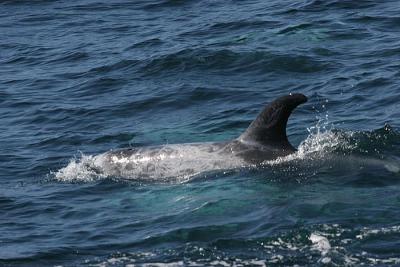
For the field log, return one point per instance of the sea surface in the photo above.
(80, 78)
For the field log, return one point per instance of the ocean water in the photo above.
(79, 78)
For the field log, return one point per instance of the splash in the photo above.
(321, 244)
(84, 168)
(327, 149)
(321, 141)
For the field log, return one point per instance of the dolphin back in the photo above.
(269, 128)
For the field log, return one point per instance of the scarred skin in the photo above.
(265, 139)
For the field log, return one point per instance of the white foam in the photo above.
(157, 264)
(279, 250)
(321, 243)
(392, 167)
(366, 232)
(85, 168)
(320, 141)
(314, 144)
(391, 260)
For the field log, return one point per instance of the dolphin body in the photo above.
(265, 139)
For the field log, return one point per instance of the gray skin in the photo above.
(265, 139)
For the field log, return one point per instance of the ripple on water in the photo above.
(93, 76)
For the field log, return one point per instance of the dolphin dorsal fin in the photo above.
(269, 128)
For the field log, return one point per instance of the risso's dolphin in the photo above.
(265, 139)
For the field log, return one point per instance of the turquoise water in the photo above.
(80, 78)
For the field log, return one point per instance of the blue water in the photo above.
(79, 78)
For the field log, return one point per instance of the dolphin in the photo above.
(265, 139)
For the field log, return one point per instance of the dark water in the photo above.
(89, 76)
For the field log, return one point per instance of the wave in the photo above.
(320, 6)
(321, 244)
(228, 60)
(168, 62)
